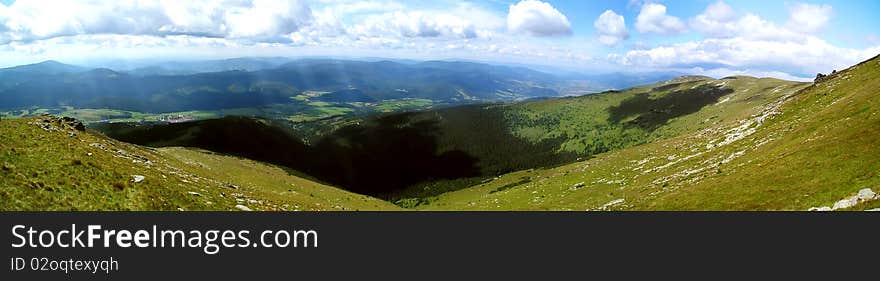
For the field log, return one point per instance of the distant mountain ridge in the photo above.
(52, 84)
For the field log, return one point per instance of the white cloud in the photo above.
(808, 18)
(223, 28)
(653, 19)
(267, 19)
(811, 56)
(464, 22)
(416, 24)
(718, 19)
(537, 18)
(726, 72)
(27, 20)
(611, 27)
(749, 44)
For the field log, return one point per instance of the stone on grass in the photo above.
(866, 194)
(846, 203)
(137, 178)
(243, 208)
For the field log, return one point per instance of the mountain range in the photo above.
(688, 143)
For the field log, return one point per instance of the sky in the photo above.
(783, 39)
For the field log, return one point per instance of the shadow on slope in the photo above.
(375, 158)
(651, 113)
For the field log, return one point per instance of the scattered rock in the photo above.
(194, 193)
(866, 194)
(578, 185)
(137, 178)
(73, 123)
(846, 203)
(231, 186)
(243, 208)
(180, 209)
(820, 209)
(612, 203)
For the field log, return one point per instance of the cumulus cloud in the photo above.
(416, 24)
(808, 17)
(653, 19)
(811, 56)
(719, 19)
(749, 44)
(27, 20)
(537, 18)
(611, 28)
(267, 18)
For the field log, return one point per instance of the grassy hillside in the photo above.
(422, 154)
(49, 165)
(692, 143)
(797, 149)
(547, 133)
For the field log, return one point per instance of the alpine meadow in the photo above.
(439, 106)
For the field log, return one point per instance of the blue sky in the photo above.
(785, 39)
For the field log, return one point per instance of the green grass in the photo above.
(319, 110)
(52, 170)
(613, 120)
(766, 145)
(817, 144)
(402, 105)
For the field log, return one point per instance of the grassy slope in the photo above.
(801, 149)
(50, 170)
(614, 120)
(768, 145)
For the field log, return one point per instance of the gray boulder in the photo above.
(866, 194)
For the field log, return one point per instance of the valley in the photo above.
(689, 143)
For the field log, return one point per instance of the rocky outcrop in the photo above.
(864, 195)
(51, 123)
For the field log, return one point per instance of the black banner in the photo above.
(428, 245)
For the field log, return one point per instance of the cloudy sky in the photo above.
(786, 39)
